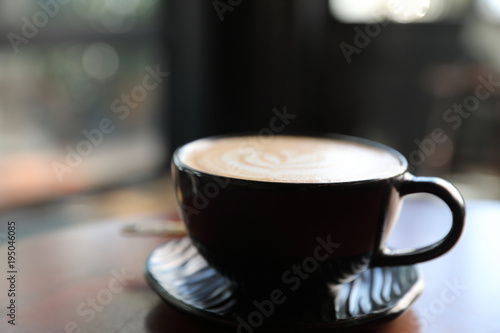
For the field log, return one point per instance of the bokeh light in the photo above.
(357, 11)
(405, 11)
(401, 11)
(100, 61)
(489, 9)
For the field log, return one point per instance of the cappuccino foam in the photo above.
(290, 159)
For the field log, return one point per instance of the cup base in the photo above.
(183, 278)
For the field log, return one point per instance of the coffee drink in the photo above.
(259, 209)
(290, 159)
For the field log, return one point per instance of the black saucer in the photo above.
(182, 277)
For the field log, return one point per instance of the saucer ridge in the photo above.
(184, 279)
(185, 276)
(375, 290)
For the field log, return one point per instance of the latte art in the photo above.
(291, 159)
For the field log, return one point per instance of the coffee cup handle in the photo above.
(451, 196)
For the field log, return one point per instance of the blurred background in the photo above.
(96, 94)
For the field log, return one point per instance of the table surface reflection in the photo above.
(89, 278)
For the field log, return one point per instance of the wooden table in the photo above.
(89, 278)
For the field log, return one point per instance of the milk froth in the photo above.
(290, 159)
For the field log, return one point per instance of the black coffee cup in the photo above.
(258, 232)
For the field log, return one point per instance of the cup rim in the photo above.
(176, 160)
